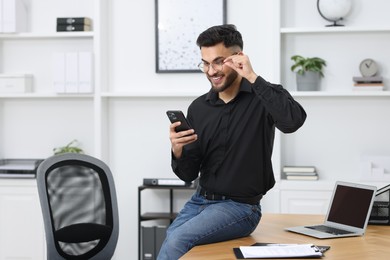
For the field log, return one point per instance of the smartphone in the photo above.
(177, 115)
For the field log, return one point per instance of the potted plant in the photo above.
(309, 72)
(72, 147)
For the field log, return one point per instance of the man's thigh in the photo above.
(214, 221)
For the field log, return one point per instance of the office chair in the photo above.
(79, 207)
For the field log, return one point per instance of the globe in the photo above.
(334, 10)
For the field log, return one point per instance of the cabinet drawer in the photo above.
(305, 202)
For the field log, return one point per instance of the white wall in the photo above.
(132, 46)
(138, 135)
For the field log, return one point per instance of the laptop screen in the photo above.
(350, 206)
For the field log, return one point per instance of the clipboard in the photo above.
(282, 251)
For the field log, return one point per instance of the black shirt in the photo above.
(235, 139)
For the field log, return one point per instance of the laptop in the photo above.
(348, 212)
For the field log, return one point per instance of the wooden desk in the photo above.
(373, 245)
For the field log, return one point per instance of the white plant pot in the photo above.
(309, 81)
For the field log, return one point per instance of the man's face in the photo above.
(221, 77)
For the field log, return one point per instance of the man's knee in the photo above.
(173, 248)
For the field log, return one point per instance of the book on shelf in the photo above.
(74, 20)
(302, 177)
(368, 86)
(73, 28)
(299, 169)
(373, 79)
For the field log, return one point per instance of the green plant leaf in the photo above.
(72, 147)
(302, 64)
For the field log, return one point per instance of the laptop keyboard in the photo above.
(330, 230)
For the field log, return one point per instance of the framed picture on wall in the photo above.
(178, 24)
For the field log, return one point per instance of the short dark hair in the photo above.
(226, 33)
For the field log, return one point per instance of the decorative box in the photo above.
(16, 83)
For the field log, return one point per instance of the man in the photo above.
(230, 145)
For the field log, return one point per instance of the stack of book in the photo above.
(300, 173)
(373, 83)
(73, 24)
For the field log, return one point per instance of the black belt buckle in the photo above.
(216, 197)
(211, 196)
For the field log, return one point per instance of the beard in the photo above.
(229, 79)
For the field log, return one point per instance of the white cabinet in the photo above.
(304, 202)
(21, 225)
(304, 197)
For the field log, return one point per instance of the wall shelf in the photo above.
(341, 29)
(340, 94)
(56, 35)
(46, 96)
(151, 94)
(293, 93)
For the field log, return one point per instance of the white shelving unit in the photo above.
(32, 124)
(30, 52)
(342, 124)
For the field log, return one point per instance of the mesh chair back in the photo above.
(79, 206)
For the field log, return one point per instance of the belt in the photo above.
(213, 196)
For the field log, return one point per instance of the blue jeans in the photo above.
(203, 221)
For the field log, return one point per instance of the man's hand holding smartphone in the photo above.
(180, 132)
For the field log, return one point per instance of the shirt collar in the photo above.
(245, 86)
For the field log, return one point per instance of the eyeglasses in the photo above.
(216, 65)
